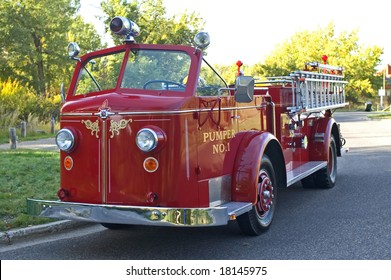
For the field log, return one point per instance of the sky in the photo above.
(248, 30)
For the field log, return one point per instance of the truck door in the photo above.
(216, 128)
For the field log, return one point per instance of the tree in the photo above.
(343, 50)
(156, 27)
(34, 39)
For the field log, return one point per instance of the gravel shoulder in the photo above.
(47, 144)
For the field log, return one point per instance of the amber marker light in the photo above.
(68, 163)
(151, 164)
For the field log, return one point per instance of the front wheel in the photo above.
(260, 217)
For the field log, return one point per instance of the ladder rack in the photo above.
(314, 91)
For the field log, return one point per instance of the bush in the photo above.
(18, 99)
(8, 119)
(19, 103)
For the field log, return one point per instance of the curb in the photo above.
(8, 236)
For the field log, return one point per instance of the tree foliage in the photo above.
(227, 72)
(155, 25)
(34, 39)
(343, 49)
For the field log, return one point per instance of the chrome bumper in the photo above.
(119, 214)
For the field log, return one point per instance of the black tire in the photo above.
(115, 226)
(309, 182)
(326, 177)
(260, 217)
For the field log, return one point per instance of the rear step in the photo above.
(235, 209)
(303, 171)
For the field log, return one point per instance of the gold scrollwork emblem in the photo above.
(115, 127)
(93, 126)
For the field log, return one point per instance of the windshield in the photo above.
(156, 70)
(100, 73)
(145, 69)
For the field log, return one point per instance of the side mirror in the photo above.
(92, 62)
(244, 89)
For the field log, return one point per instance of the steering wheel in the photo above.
(164, 83)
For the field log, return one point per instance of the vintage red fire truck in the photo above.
(153, 135)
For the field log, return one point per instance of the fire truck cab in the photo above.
(153, 135)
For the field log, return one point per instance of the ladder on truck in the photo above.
(320, 88)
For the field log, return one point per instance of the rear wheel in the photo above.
(260, 217)
(326, 177)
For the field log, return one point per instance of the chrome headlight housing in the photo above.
(65, 140)
(202, 40)
(73, 49)
(146, 139)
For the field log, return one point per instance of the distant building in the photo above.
(388, 80)
(386, 74)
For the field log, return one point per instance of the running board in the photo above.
(235, 209)
(303, 171)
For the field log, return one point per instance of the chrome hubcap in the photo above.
(265, 194)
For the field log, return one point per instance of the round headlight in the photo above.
(202, 40)
(73, 49)
(146, 140)
(65, 140)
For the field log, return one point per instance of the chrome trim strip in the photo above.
(187, 150)
(158, 112)
(109, 164)
(99, 167)
(120, 214)
(77, 114)
(189, 111)
(70, 121)
(319, 137)
(104, 161)
(167, 112)
(149, 120)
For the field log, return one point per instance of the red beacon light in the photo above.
(324, 58)
(239, 64)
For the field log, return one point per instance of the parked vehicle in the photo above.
(152, 135)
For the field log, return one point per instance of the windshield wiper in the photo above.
(92, 77)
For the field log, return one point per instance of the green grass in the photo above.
(380, 116)
(26, 174)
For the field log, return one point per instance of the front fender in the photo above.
(247, 164)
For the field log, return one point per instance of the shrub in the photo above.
(18, 99)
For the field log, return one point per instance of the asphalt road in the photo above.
(350, 221)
